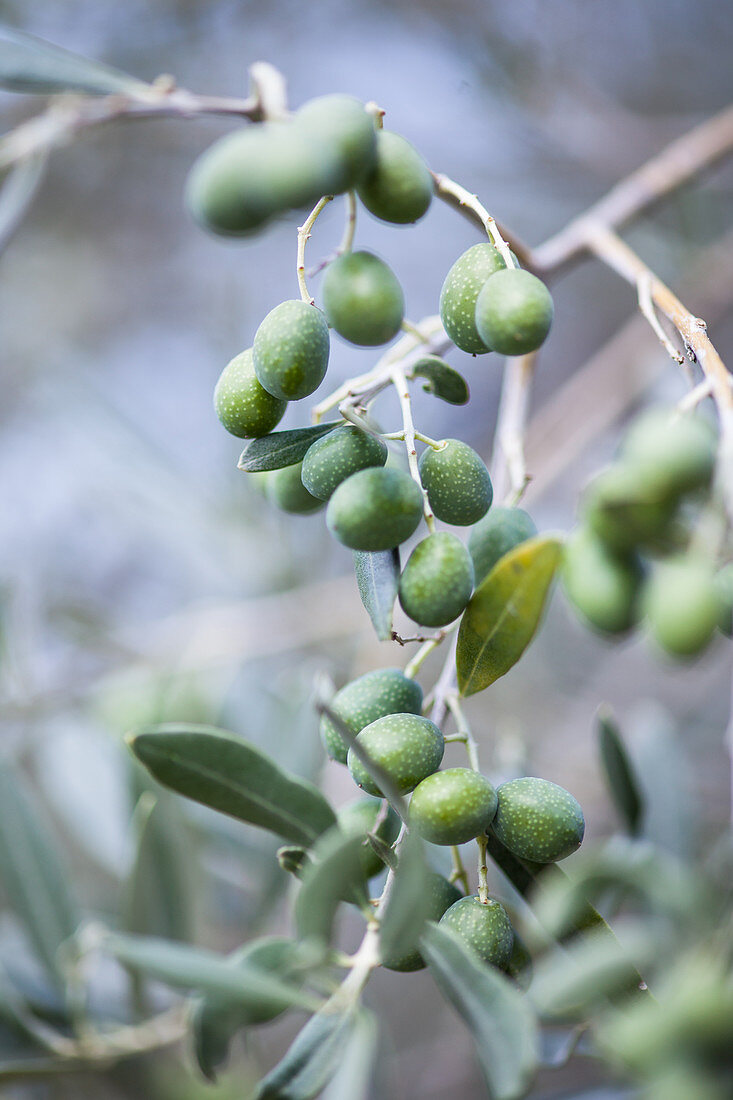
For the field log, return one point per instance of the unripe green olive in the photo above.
(373, 695)
(624, 512)
(681, 605)
(670, 453)
(242, 405)
(341, 123)
(407, 746)
(459, 293)
(538, 820)
(484, 927)
(514, 312)
(724, 591)
(375, 509)
(437, 581)
(338, 455)
(290, 351)
(399, 188)
(602, 586)
(452, 806)
(363, 299)
(441, 894)
(457, 482)
(286, 490)
(495, 535)
(359, 818)
(246, 178)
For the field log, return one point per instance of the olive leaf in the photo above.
(335, 875)
(193, 968)
(354, 1075)
(278, 449)
(408, 903)
(18, 191)
(34, 882)
(442, 380)
(311, 1060)
(499, 1018)
(378, 578)
(504, 612)
(230, 775)
(29, 64)
(622, 782)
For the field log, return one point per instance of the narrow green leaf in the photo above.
(378, 578)
(193, 968)
(230, 775)
(408, 903)
(312, 1059)
(504, 612)
(18, 191)
(158, 897)
(442, 380)
(336, 874)
(354, 1075)
(278, 449)
(35, 883)
(29, 64)
(499, 1018)
(620, 775)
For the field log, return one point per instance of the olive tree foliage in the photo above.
(625, 957)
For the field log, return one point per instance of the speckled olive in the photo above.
(624, 512)
(670, 453)
(286, 490)
(452, 806)
(441, 894)
(437, 581)
(484, 927)
(360, 817)
(495, 535)
(341, 124)
(375, 509)
(681, 605)
(242, 405)
(460, 291)
(457, 482)
(399, 188)
(513, 312)
(406, 746)
(338, 455)
(290, 351)
(363, 299)
(603, 586)
(373, 695)
(538, 820)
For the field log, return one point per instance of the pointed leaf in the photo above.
(278, 449)
(29, 64)
(504, 612)
(311, 1060)
(228, 774)
(158, 896)
(354, 1075)
(33, 879)
(378, 577)
(193, 968)
(499, 1018)
(18, 191)
(407, 906)
(335, 875)
(620, 775)
(442, 380)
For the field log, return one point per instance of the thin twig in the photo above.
(304, 232)
(646, 306)
(508, 466)
(452, 192)
(403, 393)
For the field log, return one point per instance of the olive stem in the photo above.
(508, 464)
(304, 232)
(463, 729)
(413, 667)
(400, 383)
(448, 189)
(347, 240)
(483, 882)
(413, 330)
(459, 872)
(648, 311)
(436, 444)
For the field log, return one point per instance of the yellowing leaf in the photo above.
(504, 612)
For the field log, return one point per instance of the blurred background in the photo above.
(143, 580)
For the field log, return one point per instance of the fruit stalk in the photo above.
(304, 232)
(400, 383)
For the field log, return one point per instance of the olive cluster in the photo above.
(534, 819)
(634, 553)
